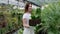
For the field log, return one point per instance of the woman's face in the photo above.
(30, 8)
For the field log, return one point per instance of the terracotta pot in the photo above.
(34, 22)
(3, 22)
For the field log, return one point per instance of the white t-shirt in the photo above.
(27, 16)
(29, 30)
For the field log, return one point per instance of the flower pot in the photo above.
(2, 21)
(34, 22)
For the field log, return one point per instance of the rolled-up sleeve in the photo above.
(24, 16)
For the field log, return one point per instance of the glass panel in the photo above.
(42, 2)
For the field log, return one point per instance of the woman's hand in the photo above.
(25, 23)
(27, 26)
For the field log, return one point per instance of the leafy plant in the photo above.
(50, 18)
(37, 14)
(13, 18)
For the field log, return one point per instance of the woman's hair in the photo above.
(26, 7)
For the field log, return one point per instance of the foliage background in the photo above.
(50, 17)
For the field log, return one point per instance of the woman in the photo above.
(27, 15)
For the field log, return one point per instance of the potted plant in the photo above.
(35, 19)
(2, 21)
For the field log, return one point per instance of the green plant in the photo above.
(51, 18)
(36, 14)
(13, 18)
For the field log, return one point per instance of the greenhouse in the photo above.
(45, 16)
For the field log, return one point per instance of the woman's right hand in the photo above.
(25, 23)
(27, 26)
